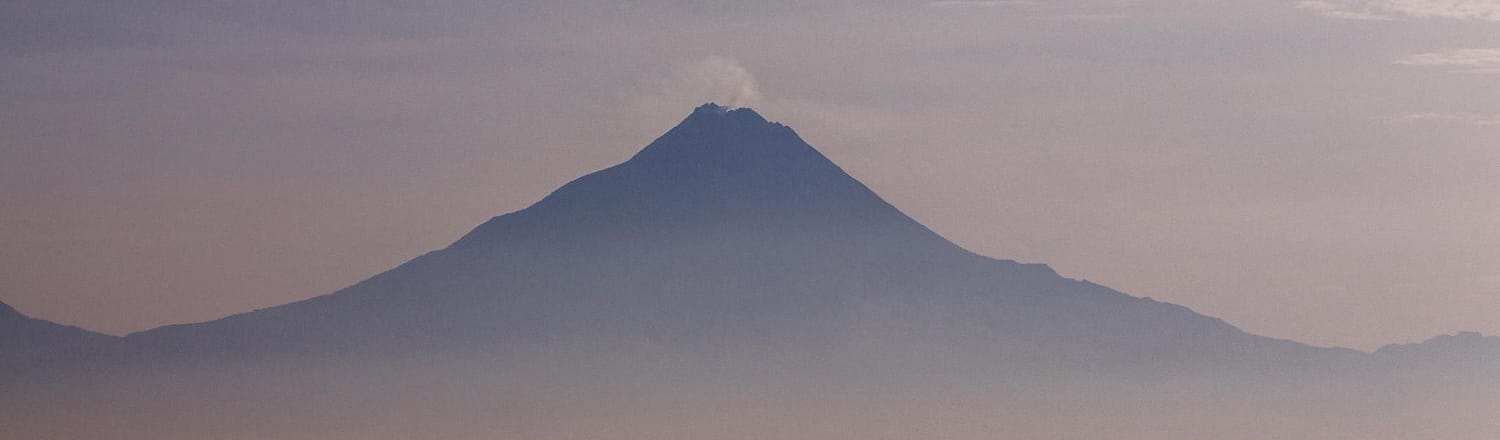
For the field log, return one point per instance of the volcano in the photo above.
(727, 231)
(729, 281)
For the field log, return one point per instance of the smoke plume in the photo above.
(728, 81)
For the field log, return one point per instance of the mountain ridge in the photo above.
(1458, 344)
(26, 341)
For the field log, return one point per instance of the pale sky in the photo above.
(1324, 171)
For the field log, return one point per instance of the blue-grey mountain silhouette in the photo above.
(729, 279)
(727, 231)
(26, 341)
(1460, 350)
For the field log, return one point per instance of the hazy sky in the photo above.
(1325, 171)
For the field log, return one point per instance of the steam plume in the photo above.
(727, 79)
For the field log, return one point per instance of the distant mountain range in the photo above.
(727, 282)
(728, 230)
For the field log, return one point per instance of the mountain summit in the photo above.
(719, 171)
(715, 139)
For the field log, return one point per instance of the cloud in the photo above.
(1343, 12)
(1492, 281)
(1088, 17)
(724, 79)
(979, 3)
(1488, 10)
(1485, 61)
(1034, 10)
(1483, 10)
(1476, 119)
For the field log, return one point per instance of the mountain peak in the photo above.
(717, 135)
(719, 157)
(740, 113)
(718, 167)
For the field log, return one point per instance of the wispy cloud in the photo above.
(1492, 281)
(979, 3)
(1032, 9)
(1087, 17)
(1482, 61)
(1485, 10)
(1476, 119)
(1342, 11)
